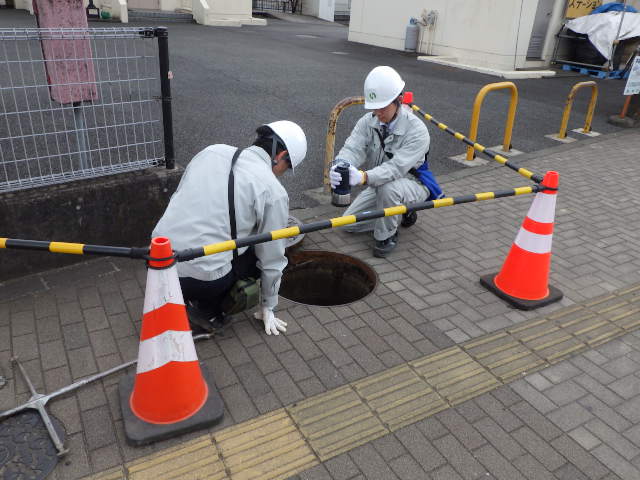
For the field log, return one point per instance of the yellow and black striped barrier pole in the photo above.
(480, 148)
(73, 248)
(213, 248)
(191, 253)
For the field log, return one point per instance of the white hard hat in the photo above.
(295, 141)
(381, 87)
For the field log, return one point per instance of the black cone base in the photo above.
(554, 295)
(138, 432)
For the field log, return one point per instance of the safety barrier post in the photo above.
(331, 134)
(567, 108)
(511, 115)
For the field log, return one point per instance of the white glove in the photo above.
(356, 176)
(272, 325)
(334, 177)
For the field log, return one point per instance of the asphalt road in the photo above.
(227, 81)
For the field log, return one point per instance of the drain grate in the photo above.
(26, 450)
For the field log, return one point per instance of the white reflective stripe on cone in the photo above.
(543, 208)
(533, 242)
(169, 346)
(163, 287)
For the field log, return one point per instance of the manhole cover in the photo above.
(26, 450)
(315, 277)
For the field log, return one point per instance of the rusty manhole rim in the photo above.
(354, 260)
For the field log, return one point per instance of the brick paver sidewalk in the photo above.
(575, 419)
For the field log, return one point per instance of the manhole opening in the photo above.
(315, 277)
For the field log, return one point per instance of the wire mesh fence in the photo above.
(284, 6)
(77, 103)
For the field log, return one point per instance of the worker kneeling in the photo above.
(231, 193)
(396, 143)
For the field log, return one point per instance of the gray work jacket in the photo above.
(198, 214)
(409, 142)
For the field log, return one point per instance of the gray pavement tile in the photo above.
(352, 372)
(284, 388)
(222, 373)
(25, 347)
(536, 421)
(371, 464)
(103, 343)
(621, 367)
(389, 447)
(233, 350)
(98, 427)
(121, 325)
(277, 343)
(334, 352)
(252, 380)
(501, 415)
(565, 392)
(533, 396)
(264, 358)
(406, 468)
(365, 358)
(113, 303)
(615, 462)
(247, 332)
(445, 473)
(569, 472)
(539, 448)
(89, 297)
(585, 438)
(419, 447)
(305, 346)
(319, 472)
(48, 329)
(432, 428)
(592, 369)
(631, 409)
(605, 394)
(82, 362)
(75, 336)
(605, 413)
(532, 469)
(497, 464)
(614, 349)
(560, 372)
(311, 386)
(570, 416)
(312, 327)
(76, 464)
(267, 403)
(295, 365)
(105, 458)
(470, 411)
(372, 340)
(56, 378)
(327, 373)
(613, 439)
(23, 323)
(401, 346)
(459, 457)
(238, 403)
(502, 441)
(341, 467)
(539, 382)
(461, 429)
(390, 359)
(580, 458)
(91, 396)
(506, 395)
(67, 411)
(53, 355)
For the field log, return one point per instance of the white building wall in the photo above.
(488, 33)
(323, 9)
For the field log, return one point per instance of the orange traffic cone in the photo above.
(168, 394)
(523, 280)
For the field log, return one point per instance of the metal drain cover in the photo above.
(26, 450)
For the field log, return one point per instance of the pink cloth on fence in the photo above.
(67, 55)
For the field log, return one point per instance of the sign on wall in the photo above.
(633, 82)
(580, 8)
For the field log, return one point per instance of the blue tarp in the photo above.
(613, 7)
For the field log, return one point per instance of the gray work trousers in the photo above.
(397, 192)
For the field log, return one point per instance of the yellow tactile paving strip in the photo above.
(290, 440)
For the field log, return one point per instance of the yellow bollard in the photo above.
(511, 115)
(567, 108)
(331, 134)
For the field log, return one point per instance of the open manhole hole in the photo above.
(315, 277)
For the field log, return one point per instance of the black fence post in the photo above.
(165, 89)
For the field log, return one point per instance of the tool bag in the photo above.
(245, 293)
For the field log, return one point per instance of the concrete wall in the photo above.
(491, 33)
(118, 210)
(323, 9)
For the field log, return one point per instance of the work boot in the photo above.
(385, 247)
(409, 219)
(202, 321)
